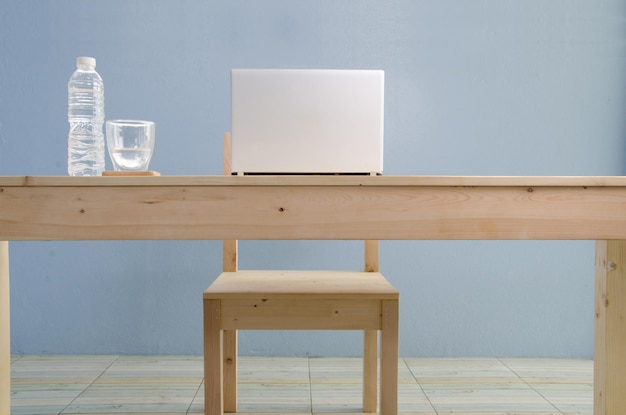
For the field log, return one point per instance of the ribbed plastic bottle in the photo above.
(86, 116)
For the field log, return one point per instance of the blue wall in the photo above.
(480, 87)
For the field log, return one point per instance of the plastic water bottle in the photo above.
(86, 116)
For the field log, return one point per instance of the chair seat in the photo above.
(304, 285)
(305, 300)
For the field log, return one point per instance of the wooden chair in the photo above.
(299, 300)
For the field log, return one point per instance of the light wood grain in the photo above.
(370, 370)
(311, 212)
(149, 173)
(213, 365)
(326, 207)
(230, 263)
(270, 284)
(301, 300)
(5, 330)
(610, 328)
(301, 314)
(229, 366)
(311, 300)
(227, 155)
(371, 256)
(315, 300)
(389, 357)
(314, 180)
(370, 339)
(600, 356)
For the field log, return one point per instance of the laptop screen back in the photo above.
(298, 121)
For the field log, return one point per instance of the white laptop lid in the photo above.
(307, 121)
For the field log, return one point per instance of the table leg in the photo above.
(389, 359)
(5, 331)
(610, 328)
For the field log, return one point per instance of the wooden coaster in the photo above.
(130, 173)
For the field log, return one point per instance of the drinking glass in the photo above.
(130, 144)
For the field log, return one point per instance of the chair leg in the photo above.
(389, 359)
(213, 369)
(370, 370)
(230, 370)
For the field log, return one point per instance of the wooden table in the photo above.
(336, 207)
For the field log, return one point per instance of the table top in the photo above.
(314, 180)
(312, 207)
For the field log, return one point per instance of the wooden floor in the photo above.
(173, 385)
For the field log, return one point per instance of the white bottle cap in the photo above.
(84, 60)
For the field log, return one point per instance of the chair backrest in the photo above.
(230, 262)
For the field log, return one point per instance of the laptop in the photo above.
(301, 121)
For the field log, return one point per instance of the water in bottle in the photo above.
(86, 117)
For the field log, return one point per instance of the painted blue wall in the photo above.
(480, 87)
